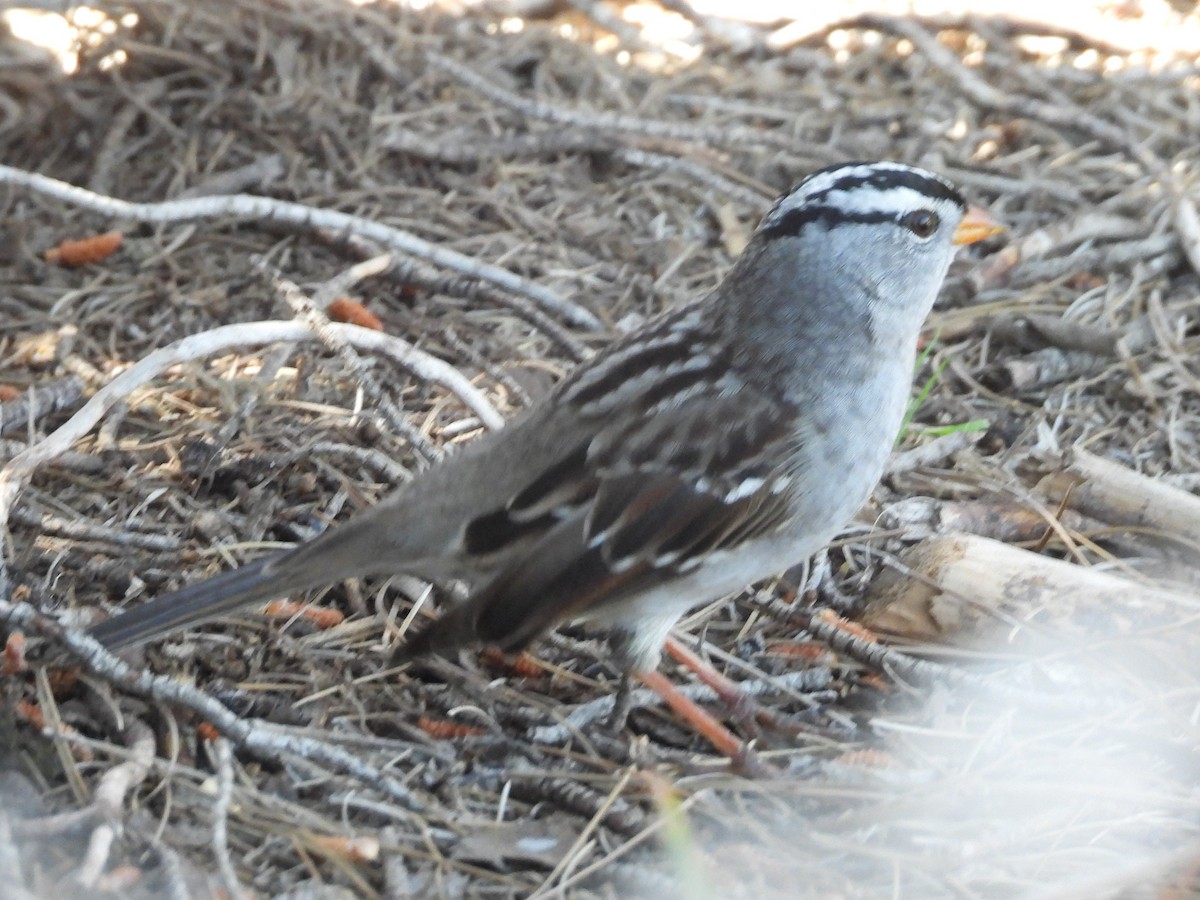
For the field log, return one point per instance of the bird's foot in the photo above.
(740, 753)
(742, 708)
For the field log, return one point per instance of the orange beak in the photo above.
(976, 225)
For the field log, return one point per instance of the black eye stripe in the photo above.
(864, 193)
(794, 221)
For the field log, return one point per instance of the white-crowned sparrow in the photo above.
(720, 443)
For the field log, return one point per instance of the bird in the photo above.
(719, 443)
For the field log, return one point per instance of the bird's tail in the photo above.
(255, 582)
(347, 551)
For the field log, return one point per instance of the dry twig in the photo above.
(18, 470)
(110, 794)
(39, 402)
(220, 840)
(247, 207)
(254, 735)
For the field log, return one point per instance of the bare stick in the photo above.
(918, 518)
(964, 579)
(220, 842)
(607, 121)
(262, 171)
(86, 463)
(308, 311)
(979, 91)
(933, 451)
(255, 735)
(75, 530)
(1187, 227)
(1118, 495)
(830, 628)
(579, 798)
(457, 148)
(267, 209)
(39, 401)
(110, 795)
(1034, 330)
(14, 475)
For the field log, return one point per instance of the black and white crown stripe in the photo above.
(836, 194)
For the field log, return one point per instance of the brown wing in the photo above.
(636, 505)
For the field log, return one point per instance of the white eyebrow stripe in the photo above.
(894, 200)
(824, 181)
(889, 203)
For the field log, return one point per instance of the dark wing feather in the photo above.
(527, 597)
(662, 492)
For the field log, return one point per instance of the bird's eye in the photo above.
(923, 223)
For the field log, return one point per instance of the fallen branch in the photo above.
(255, 735)
(110, 795)
(919, 518)
(606, 121)
(962, 579)
(40, 401)
(19, 469)
(76, 530)
(220, 838)
(979, 91)
(1116, 494)
(248, 207)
